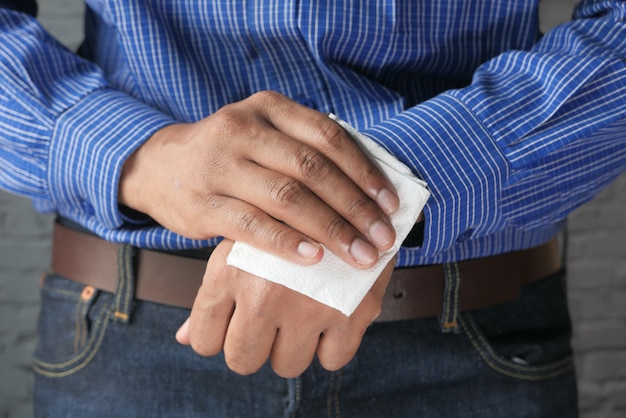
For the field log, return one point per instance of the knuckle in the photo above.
(312, 165)
(285, 192)
(231, 121)
(332, 137)
(249, 221)
(227, 120)
(266, 98)
(359, 206)
(369, 173)
(335, 229)
(214, 202)
(281, 240)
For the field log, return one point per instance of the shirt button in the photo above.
(465, 235)
(87, 208)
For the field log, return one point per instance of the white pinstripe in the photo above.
(537, 133)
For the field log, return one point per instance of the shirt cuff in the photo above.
(89, 145)
(443, 141)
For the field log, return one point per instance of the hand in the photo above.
(252, 319)
(269, 172)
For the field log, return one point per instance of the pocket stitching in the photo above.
(500, 365)
(84, 357)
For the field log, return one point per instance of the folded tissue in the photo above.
(332, 281)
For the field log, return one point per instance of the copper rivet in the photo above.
(87, 292)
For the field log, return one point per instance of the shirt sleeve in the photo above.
(64, 133)
(535, 135)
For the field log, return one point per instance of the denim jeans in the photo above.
(509, 360)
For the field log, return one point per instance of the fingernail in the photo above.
(308, 250)
(387, 201)
(362, 251)
(381, 233)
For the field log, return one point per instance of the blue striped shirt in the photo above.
(511, 130)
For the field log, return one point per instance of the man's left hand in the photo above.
(253, 320)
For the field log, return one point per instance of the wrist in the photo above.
(88, 147)
(138, 175)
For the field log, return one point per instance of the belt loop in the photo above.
(125, 285)
(451, 294)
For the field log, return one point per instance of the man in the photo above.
(172, 133)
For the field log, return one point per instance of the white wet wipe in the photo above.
(333, 281)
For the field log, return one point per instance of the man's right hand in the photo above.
(269, 172)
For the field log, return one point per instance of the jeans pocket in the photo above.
(529, 339)
(72, 323)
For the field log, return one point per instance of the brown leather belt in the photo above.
(413, 292)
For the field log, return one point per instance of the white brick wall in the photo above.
(24, 254)
(597, 275)
(597, 294)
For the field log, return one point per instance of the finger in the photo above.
(325, 135)
(293, 351)
(213, 306)
(241, 221)
(300, 209)
(337, 346)
(340, 342)
(207, 327)
(182, 335)
(314, 172)
(248, 343)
